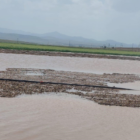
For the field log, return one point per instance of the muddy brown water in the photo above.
(61, 117)
(134, 85)
(88, 65)
(41, 117)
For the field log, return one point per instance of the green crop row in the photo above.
(18, 46)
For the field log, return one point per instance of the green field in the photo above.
(18, 46)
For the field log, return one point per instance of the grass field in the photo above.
(18, 46)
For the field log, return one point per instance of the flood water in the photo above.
(88, 65)
(135, 86)
(64, 117)
(41, 117)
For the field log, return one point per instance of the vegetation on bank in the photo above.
(107, 51)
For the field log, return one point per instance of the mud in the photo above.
(69, 77)
(68, 54)
(101, 96)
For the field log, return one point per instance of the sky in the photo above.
(117, 20)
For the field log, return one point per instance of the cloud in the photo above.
(45, 5)
(126, 5)
(99, 19)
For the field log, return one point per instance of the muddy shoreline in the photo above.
(101, 96)
(68, 54)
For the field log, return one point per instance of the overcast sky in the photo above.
(98, 19)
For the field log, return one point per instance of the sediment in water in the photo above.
(69, 54)
(100, 96)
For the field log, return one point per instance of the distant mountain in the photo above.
(4, 30)
(70, 40)
(22, 38)
(55, 35)
(75, 41)
(56, 38)
(65, 37)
